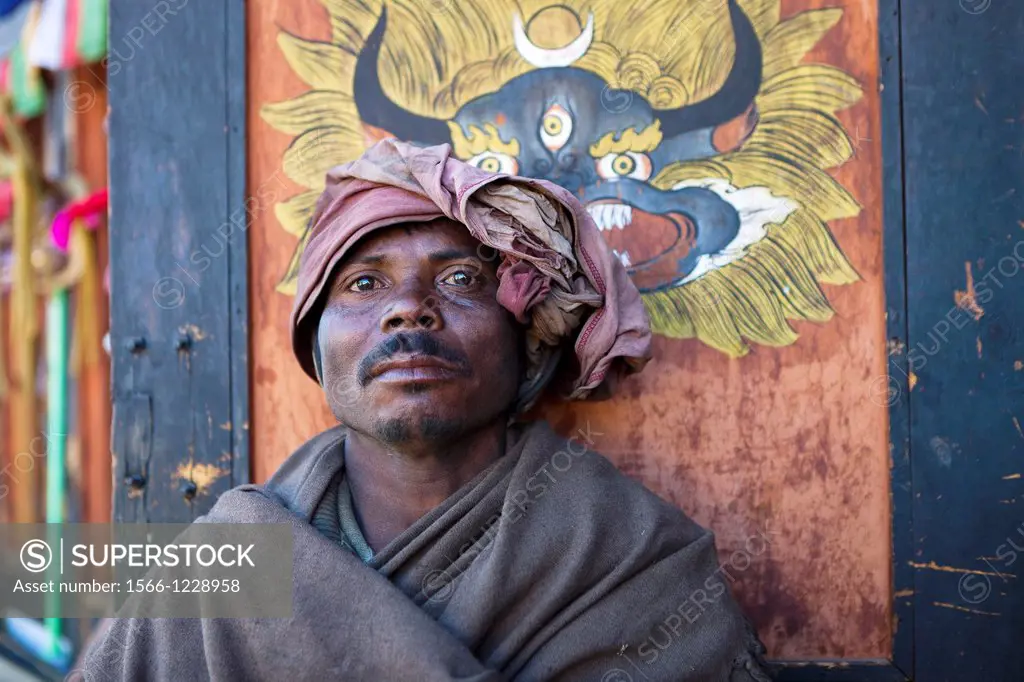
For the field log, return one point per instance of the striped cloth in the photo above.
(70, 32)
(19, 78)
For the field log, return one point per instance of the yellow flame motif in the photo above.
(437, 56)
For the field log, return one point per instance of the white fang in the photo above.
(608, 216)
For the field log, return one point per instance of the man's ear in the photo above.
(317, 361)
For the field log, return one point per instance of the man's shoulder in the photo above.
(582, 483)
(309, 467)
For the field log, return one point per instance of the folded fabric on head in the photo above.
(557, 275)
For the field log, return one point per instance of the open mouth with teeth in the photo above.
(652, 246)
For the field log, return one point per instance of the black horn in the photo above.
(735, 95)
(376, 109)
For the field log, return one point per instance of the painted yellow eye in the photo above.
(625, 165)
(555, 127)
(495, 162)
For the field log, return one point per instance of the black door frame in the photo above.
(178, 248)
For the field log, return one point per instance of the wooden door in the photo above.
(765, 408)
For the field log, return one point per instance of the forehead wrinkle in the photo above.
(387, 247)
(443, 255)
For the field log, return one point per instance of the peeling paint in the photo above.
(966, 300)
(932, 566)
(1017, 424)
(1011, 477)
(195, 332)
(961, 608)
(203, 475)
(979, 347)
(226, 426)
(912, 381)
(904, 593)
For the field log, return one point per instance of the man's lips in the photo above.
(415, 369)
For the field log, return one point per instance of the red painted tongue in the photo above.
(647, 236)
(654, 241)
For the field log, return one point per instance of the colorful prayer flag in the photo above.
(70, 33)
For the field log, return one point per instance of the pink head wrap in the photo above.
(557, 274)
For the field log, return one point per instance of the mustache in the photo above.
(411, 343)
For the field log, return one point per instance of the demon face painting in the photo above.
(692, 130)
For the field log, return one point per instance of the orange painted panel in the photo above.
(761, 414)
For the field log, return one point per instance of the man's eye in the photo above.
(459, 278)
(364, 283)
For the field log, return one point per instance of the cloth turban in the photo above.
(556, 274)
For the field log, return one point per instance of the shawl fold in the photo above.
(557, 274)
(548, 565)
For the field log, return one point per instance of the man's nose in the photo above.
(414, 306)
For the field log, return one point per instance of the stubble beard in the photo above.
(427, 428)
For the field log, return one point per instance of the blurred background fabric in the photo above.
(54, 369)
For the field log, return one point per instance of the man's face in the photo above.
(413, 342)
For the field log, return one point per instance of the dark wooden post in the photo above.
(178, 226)
(963, 132)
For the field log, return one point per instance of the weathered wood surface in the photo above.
(178, 237)
(964, 160)
(897, 386)
(791, 439)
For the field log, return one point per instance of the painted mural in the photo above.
(695, 132)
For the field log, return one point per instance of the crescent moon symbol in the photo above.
(560, 56)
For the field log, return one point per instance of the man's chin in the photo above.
(422, 428)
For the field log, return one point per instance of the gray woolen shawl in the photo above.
(548, 565)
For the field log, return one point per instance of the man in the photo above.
(439, 535)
